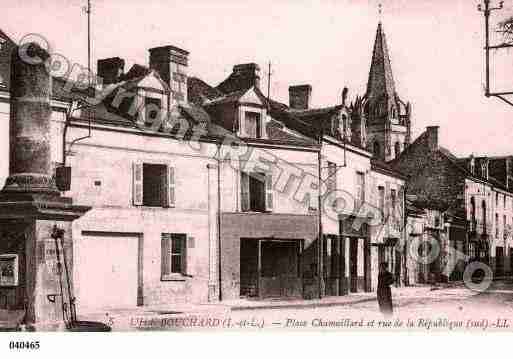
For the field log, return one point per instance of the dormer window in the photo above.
(484, 170)
(153, 106)
(253, 124)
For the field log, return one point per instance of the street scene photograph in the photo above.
(255, 166)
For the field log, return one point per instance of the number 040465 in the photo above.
(23, 345)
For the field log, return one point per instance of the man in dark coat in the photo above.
(385, 280)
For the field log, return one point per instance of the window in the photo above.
(153, 185)
(253, 125)
(504, 224)
(504, 201)
(152, 109)
(496, 225)
(397, 149)
(331, 179)
(497, 199)
(393, 202)
(472, 214)
(173, 254)
(381, 200)
(483, 206)
(256, 192)
(376, 149)
(360, 188)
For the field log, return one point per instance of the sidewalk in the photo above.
(254, 304)
(141, 317)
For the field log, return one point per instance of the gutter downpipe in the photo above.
(219, 222)
(406, 280)
(319, 209)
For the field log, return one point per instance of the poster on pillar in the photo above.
(8, 270)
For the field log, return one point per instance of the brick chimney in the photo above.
(299, 97)
(243, 77)
(432, 137)
(171, 64)
(110, 70)
(250, 72)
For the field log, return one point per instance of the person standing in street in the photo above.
(385, 280)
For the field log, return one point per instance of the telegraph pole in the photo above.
(269, 82)
(486, 9)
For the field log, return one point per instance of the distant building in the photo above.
(475, 209)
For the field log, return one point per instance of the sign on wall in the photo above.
(8, 270)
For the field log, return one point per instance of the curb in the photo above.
(300, 305)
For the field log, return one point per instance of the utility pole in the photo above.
(269, 82)
(486, 9)
(88, 12)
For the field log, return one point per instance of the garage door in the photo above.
(106, 271)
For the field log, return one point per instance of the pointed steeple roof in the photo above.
(381, 80)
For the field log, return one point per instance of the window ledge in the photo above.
(175, 277)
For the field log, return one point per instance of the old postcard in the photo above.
(278, 166)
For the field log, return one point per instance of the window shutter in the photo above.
(184, 254)
(269, 192)
(244, 185)
(166, 254)
(171, 185)
(137, 175)
(388, 203)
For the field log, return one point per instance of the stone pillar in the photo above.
(30, 204)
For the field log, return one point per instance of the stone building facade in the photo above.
(473, 208)
(223, 197)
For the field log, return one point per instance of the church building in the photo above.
(387, 118)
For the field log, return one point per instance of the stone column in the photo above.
(30, 204)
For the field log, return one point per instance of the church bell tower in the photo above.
(387, 116)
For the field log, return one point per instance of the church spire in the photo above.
(381, 80)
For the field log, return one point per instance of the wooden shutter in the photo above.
(165, 254)
(137, 175)
(183, 242)
(269, 192)
(387, 199)
(171, 187)
(244, 197)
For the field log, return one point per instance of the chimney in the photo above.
(432, 137)
(110, 70)
(171, 64)
(299, 97)
(344, 95)
(249, 72)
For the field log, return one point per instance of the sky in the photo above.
(435, 48)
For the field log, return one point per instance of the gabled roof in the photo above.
(136, 71)
(236, 96)
(381, 79)
(198, 91)
(243, 77)
(383, 167)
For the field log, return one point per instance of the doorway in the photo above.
(499, 258)
(270, 268)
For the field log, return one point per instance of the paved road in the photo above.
(445, 309)
(421, 309)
